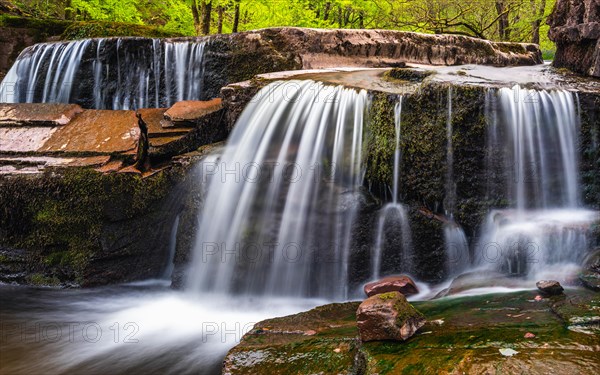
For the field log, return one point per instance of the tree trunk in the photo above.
(220, 12)
(361, 20)
(206, 13)
(326, 11)
(68, 10)
(236, 17)
(196, 16)
(503, 30)
(535, 25)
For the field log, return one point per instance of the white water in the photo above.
(393, 217)
(138, 328)
(535, 134)
(107, 73)
(53, 66)
(455, 240)
(168, 272)
(282, 198)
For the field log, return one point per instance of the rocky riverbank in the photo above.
(512, 333)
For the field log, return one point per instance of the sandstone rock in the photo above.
(575, 27)
(549, 287)
(47, 114)
(97, 131)
(402, 284)
(189, 111)
(387, 317)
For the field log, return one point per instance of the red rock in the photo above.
(38, 114)
(387, 316)
(529, 335)
(191, 110)
(549, 287)
(402, 284)
(96, 131)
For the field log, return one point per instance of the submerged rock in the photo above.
(387, 316)
(549, 287)
(402, 284)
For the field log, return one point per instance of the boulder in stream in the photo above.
(387, 316)
(549, 287)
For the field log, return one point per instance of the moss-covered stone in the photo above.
(463, 335)
(80, 226)
(102, 29)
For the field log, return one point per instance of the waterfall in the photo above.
(393, 228)
(168, 272)
(115, 73)
(455, 240)
(533, 137)
(282, 198)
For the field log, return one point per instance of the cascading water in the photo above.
(393, 216)
(108, 73)
(534, 134)
(455, 240)
(282, 198)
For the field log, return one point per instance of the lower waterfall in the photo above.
(282, 197)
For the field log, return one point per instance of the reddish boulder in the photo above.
(387, 316)
(402, 284)
(549, 287)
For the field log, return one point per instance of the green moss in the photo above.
(100, 29)
(381, 140)
(511, 47)
(61, 217)
(45, 27)
(41, 280)
(406, 74)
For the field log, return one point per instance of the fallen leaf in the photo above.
(529, 335)
(310, 333)
(337, 350)
(538, 298)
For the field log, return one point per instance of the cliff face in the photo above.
(575, 28)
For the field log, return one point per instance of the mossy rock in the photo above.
(464, 335)
(102, 29)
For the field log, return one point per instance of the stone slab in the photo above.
(96, 131)
(37, 114)
(192, 110)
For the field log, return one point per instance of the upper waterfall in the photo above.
(127, 73)
(281, 199)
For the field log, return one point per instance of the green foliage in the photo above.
(98, 29)
(507, 20)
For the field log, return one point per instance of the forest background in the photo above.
(499, 20)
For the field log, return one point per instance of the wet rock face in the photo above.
(81, 205)
(590, 273)
(387, 316)
(401, 284)
(575, 27)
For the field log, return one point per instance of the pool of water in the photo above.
(133, 328)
